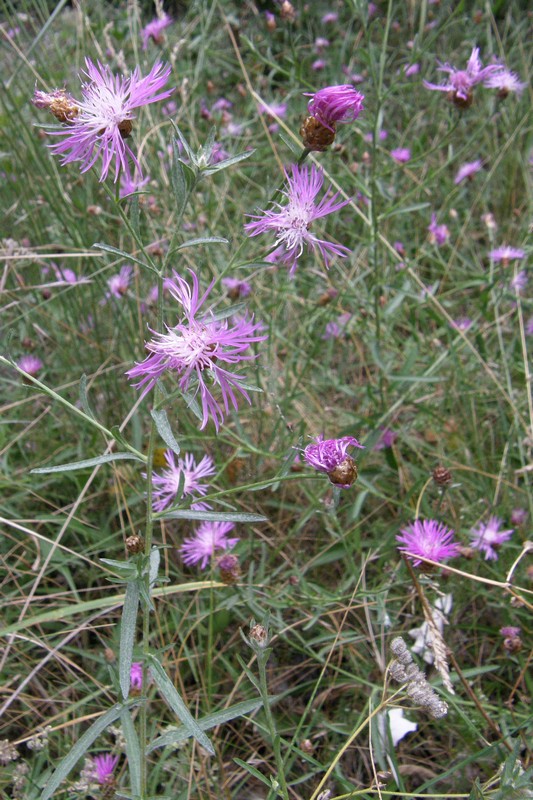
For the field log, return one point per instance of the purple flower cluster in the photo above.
(427, 539)
(195, 350)
(291, 222)
(98, 125)
(461, 82)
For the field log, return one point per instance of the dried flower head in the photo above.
(195, 350)
(291, 223)
(229, 568)
(134, 544)
(59, 103)
(442, 476)
(403, 670)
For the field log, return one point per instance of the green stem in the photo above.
(262, 658)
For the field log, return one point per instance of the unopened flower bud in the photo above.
(134, 544)
(442, 476)
(287, 11)
(259, 635)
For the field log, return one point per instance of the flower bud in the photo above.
(316, 136)
(442, 476)
(345, 473)
(259, 635)
(134, 544)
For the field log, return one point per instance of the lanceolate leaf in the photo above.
(165, 431)
(133, 751)
(170, 694)
(127, 635)
(212, 516)
(88, 462)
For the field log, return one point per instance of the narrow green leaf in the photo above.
(185, 143)
(126, 569)
(178, 179)
(128, 626)
(119, 437)
(253, 771)
(155, 558)
(228, 162)
(165, 431)
(210, 721)
(205, 240)
(79, 749)
(116, 252)
(84, 400)
(133, 751)
(170, 694)
(213, 516)
(88, 462)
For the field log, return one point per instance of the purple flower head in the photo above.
(210, 536)
(461, 82)
(331, 456)
(104, 119)
(321, 43)
(510, 630)
(505, 81)
(519, 282)
(318, 65)
(335, 104)
(187, 473)
(330, 17)
(218, 154)
(401, 155)
(136, 676)
(411, 69)
(462, 323)
(119, 284)
(518, 516)
(427, 539)
(336, 328)
(292, 221)
(236, 288)
(154, 30)
(129, 184)
(438, 234)
(467, 170)
(386, 439)
(197, 348)
(505, 253)
(488, 537)
(105, 766)
(272, 109)
(30, 364)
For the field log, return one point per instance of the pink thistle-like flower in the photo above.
(461, 82)
(438, 234)
(488, 537)
(506, 253)
(329, 17)
(335, 104)
(401, 155)
(210, 536)
(427, 539)
(518, 516)
(196, 348)
(386, 439)
(30, 364)
(467, 170)
(105, 766)
(462, 323)
(118, 284)
(129, 184)
(318, 65)
(186, 473)
(273, 109)
(154, 30)
(336, 328)
(292, 221)
(136, 676)
(510, 630)
(104, 118)
(519, 282)
(505, 81)
(331, 456)
(236, 288)
(411, 69)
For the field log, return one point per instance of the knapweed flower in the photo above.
(401, 155)
(462, 323)
(386, 439)
(336, 328)
(506, 82)
(327, 108)
(105, 766)
(104, 117)
(186, 473)
(438, 234)
(519, 282)
(210, 536)
(30, 364)
(505, 253)
(236, 288)
(154, 30)
(136, 676)
(331, 456)
(488, 537)
(427, 539)
(130, 184)
(118, 284)
(460, 83)
(518, 516)
(292, 221)
(197, 348)
(467, 170)
(330, 17)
